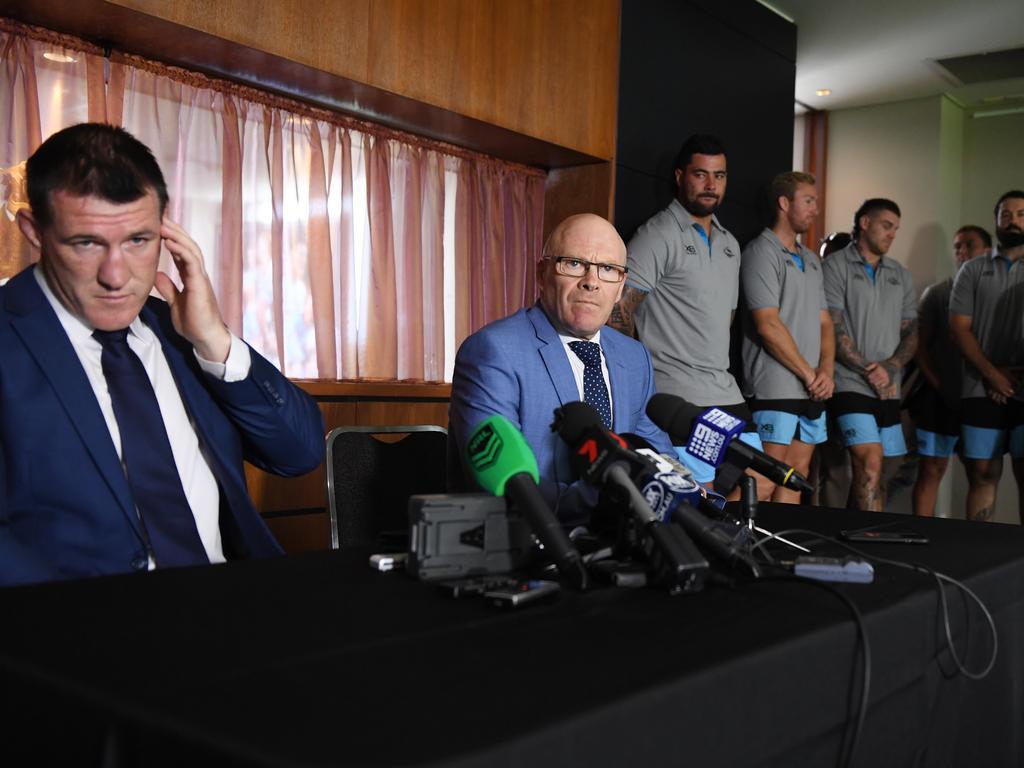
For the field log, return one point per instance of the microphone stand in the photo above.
(748, 491)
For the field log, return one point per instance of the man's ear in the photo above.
(29, 228)
(864, 222)
(783, 203)
(542, 267)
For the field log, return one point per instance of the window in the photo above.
(337, 249)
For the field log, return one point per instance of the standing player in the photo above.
(993, 419)
(936, 407)
(682, 291)
(871, 301)
(789, 342)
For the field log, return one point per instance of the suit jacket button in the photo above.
(140, 563)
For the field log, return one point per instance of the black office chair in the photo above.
(370, 480)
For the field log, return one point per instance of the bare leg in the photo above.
(868, 491)
(1018, 474)
(983, 481)
(764, 487)
(797, 455)
(833, 474)
(930, 471)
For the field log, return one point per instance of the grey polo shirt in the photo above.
(771, 277)
(871, 310)
(691, 293)
(933, 313)
(976, 292)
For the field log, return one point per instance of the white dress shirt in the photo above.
(578, 367)
(197, 478)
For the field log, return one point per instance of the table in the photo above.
(316, 660)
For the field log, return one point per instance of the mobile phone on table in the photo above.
(884, 537)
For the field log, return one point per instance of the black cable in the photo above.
(939, 579)
(850, 740)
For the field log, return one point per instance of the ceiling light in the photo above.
(823, 92)
(61, 58)
(999, 112)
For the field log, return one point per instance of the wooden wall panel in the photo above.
(581, 189)
(543, 68)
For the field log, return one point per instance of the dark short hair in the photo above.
(92, 159)
(1006, 196)
(982, 233)
(869, 207)
(698, 144)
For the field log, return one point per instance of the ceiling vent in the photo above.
(985, 67)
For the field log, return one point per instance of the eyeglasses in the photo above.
(570, 266)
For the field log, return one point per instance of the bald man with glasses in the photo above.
(559, 351)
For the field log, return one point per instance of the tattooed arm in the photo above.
(622, 313)
(846, 350)
(904, 350)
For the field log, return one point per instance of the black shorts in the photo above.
(930, 412)
(986, 413)
(811, 409)
(886, 412)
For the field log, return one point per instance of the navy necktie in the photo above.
(166, 516)
(595, 393)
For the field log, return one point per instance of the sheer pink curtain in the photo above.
(499, 220)
(328, 240)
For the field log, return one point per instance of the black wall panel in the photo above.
(727, 68)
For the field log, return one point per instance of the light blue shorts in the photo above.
(781, 427)
(703, 472)
(860, 428)
(985, 443)
(936, 444)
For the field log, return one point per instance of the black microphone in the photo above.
(596, 449)
(708, 437)
(673, 496)
(603, 459)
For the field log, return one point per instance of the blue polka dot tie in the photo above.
(595, 393)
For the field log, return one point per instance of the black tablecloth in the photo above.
(316, 659)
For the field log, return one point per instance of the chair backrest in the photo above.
(372, 472)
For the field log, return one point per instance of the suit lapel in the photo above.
(35, 323)
(552, 352)
(618, 377)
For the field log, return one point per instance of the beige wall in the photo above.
(993, 164)
(902, 151)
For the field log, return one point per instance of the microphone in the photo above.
(677, 497)
(711, 436)
(503, 465)
(603, 459)
(596, 450)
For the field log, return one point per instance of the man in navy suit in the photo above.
(124, 419)
(526, 365)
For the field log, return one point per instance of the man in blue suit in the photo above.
(124, 419)
(526, 365)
